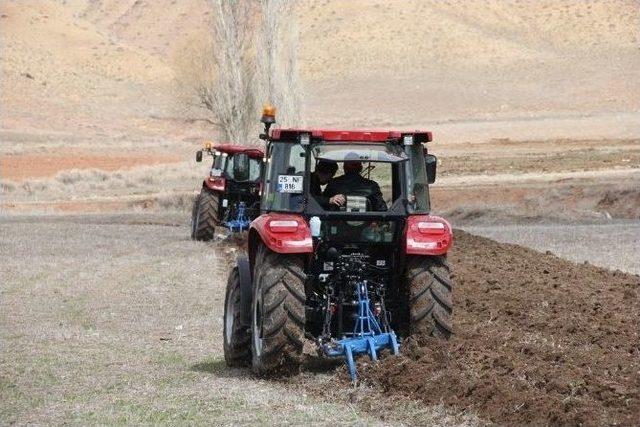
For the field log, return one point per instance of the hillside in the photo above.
(105, 67)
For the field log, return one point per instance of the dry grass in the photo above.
(88, 183)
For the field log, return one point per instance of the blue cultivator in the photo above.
(367, 336)
(240, 222)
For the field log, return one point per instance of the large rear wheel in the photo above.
(237, 339)
(277, 331)
(204, 217)
(429, 296)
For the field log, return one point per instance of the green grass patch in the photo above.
(214, 365)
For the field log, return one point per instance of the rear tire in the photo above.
(237, 339)
(429, 296)
(277, 332)
(205, 216)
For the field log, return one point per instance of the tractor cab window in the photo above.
(254, 169)
(241, 167)
(366, 176)
(417, 181)
(218, 160)
(284, 179)
(217, 167)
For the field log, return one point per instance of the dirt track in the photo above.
(539, 340)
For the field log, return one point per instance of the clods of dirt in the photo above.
(538, 340)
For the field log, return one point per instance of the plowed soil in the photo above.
(538, 340)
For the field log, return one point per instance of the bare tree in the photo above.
(229, 94)
(277, 60)
(248, 59)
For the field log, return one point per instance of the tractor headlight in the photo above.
(407, 140)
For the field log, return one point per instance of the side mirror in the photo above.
(199, 156)
(430, 162)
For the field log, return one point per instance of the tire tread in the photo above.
(280, 278)
(429, 289)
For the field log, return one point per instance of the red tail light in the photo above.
(217, 183)
(284, 233)
(283, 226)
(435, 228)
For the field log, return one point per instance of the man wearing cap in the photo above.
(325, 170)
(352, 183)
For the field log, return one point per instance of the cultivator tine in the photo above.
(367, 336)
(351, 364)
(372, 349)
(395, 347)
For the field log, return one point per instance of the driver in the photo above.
(352, 183)
(325, 170)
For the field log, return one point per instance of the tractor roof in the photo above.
(350, 135)
(253, 152)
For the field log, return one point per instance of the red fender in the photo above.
(427, 235)
(284, 233)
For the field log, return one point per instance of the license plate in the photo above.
(290, 184)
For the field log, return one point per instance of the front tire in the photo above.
(278, 307)
(237, 339)
(429, 296)
(205, 216)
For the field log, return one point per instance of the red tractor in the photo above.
(230, 193)
(354, 268)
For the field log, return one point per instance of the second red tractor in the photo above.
(229, 196)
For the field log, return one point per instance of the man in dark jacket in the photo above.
(354, 184)
(324, 172)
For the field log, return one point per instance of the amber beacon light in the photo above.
(268, 114)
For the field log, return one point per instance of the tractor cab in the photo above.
(344, 253)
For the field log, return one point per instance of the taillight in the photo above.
(217, 183)
(284, 233)
(431, 227)
(283, 226)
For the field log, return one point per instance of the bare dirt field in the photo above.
(539, 340)
(117, 319)
(28, 166)
(570, 179)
